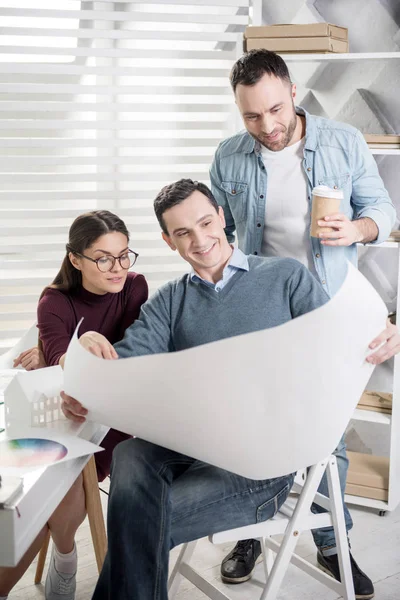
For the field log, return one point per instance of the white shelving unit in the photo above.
(349, 57)
(382, 380)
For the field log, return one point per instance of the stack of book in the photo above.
(315, 37)
(383, 141)
(394, 236)
(376, 401)
(368, 476)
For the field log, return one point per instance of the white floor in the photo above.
(375, 544)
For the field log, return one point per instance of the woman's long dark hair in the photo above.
(83, 233)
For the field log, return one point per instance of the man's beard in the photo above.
(283, 141)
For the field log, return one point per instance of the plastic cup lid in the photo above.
(327, 192)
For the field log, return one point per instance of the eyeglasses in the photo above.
(106, 263)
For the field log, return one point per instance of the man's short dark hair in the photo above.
(253, 65)
(177, 192)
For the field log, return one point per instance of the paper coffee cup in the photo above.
(326, 202)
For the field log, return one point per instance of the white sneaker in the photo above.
(59, 586)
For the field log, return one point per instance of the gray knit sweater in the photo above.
(184, 313)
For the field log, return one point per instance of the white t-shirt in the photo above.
(287, 211)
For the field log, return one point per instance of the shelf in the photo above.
(371, 416)
(392, 151)
(369, 502)
(382, 245)
(331, 57)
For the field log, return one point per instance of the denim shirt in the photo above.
(336, 155)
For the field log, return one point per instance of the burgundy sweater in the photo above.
(109, 314)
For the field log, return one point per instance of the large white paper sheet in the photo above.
(261, 405)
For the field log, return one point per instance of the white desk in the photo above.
(43, 491)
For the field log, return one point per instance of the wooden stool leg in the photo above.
(42, 559)
(95, 512)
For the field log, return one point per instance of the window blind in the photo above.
(101, 104)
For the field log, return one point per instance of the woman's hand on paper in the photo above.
(98, 345)
(73, 409)
(390, 338)
(30, 360)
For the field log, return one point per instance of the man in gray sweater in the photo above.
(159, 498)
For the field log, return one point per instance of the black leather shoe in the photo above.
(363, 586)
(239, 564)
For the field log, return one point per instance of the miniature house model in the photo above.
(33, 398)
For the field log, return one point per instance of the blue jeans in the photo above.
(160, 499)
(324, 538)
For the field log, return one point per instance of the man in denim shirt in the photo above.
(263, 178)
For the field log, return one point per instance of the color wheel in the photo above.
(30, 452)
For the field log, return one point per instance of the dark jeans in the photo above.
(159, 499)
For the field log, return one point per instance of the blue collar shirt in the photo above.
(336, 155)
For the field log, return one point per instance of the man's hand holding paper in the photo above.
(388, 344)
(73, 409)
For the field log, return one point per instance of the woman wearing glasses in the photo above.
(93, 283)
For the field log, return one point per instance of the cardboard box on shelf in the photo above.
(376, 401)
(375, 138)
(294, 30)
(394, 236)
(385, 411)
(368, 470)
(367, 492)
(298, 44)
